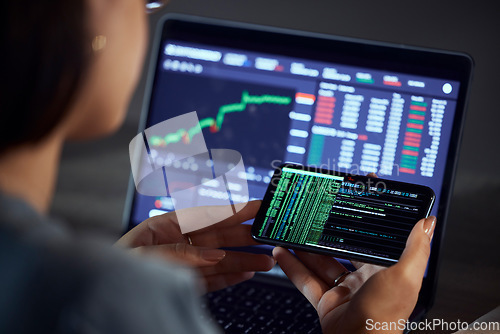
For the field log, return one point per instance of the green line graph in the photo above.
(215, 124)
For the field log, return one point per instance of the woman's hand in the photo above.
(161, 236)
(371, 294)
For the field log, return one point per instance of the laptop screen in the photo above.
(275, 96)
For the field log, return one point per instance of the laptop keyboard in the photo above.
(256, 308)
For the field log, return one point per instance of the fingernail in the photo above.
(213, 254)
(275, 249)
(429, 224)
(248, 275)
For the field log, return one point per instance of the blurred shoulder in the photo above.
(69, 283)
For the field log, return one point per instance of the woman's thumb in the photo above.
(187, 254)
(418, 248)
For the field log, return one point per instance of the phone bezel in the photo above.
(259, 219)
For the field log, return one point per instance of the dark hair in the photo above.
(45, 55)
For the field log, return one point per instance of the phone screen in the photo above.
(349, 216)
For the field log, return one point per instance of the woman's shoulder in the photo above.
(63, 282)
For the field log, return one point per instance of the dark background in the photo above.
(94, 176)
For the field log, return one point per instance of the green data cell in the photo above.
(301, 205)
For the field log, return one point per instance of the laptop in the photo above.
(345, 104)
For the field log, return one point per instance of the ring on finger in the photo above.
(341, 278)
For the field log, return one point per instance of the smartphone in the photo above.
(340, 214)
